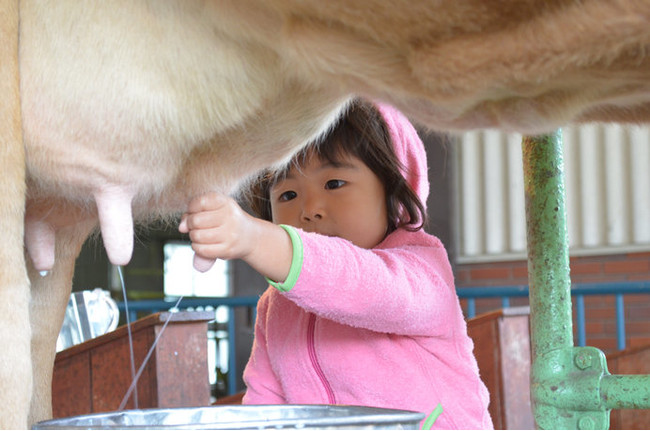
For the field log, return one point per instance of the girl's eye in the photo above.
(287, 196)
(334, 184)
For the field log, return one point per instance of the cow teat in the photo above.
(116, 222)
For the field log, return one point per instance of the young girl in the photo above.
(362, 308)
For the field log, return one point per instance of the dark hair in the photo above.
(361, 133)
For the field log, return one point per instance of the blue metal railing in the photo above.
(578, 292)
(471, 294)
(155, 305)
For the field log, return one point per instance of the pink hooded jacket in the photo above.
(380, 327)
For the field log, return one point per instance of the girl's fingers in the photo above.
(207, 202)
(204, 220)
(182, 226)
(208, 236)
(215, 224)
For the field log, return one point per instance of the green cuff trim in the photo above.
(296, 261)
(431, 419)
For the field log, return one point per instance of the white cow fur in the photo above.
(131, 107)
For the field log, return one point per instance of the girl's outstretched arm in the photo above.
(220, 229)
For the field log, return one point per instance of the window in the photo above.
(181, 279)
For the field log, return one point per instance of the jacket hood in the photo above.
(409, 150)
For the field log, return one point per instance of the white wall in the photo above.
(607, 180)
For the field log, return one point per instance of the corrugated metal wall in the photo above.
(607, 170)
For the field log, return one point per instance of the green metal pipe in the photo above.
(570, 386)
(548, 244)
(551, 320)
(626, 391)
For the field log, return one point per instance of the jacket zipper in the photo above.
(314, 360)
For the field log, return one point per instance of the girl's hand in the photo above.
(220, 229)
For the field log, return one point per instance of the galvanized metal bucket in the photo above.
(244, 417)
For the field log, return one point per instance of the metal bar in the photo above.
(492, 291)
(160, 304)
(505, 302)
(548, 262)
(626, 391)
(578, 291)
(232, 361)
(548, 246)
(624, 287)
(580, 319)
(230, 302)
(471, 308)
(620, 287)
(620, 322)
(570, 386)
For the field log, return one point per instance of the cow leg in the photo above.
(50, 296)
(15, 364)
(15, 367)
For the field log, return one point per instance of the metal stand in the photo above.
(570, 386)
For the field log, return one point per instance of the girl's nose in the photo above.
(312, 210)
(311, 216)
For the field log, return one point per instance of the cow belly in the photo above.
(136, 107)
(106, 93)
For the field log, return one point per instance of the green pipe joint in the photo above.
(573, 389)
(566, 389)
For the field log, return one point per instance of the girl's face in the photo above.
(346, 200)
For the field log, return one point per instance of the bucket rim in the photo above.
(337, 415)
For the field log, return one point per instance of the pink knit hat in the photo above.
(409, 150)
